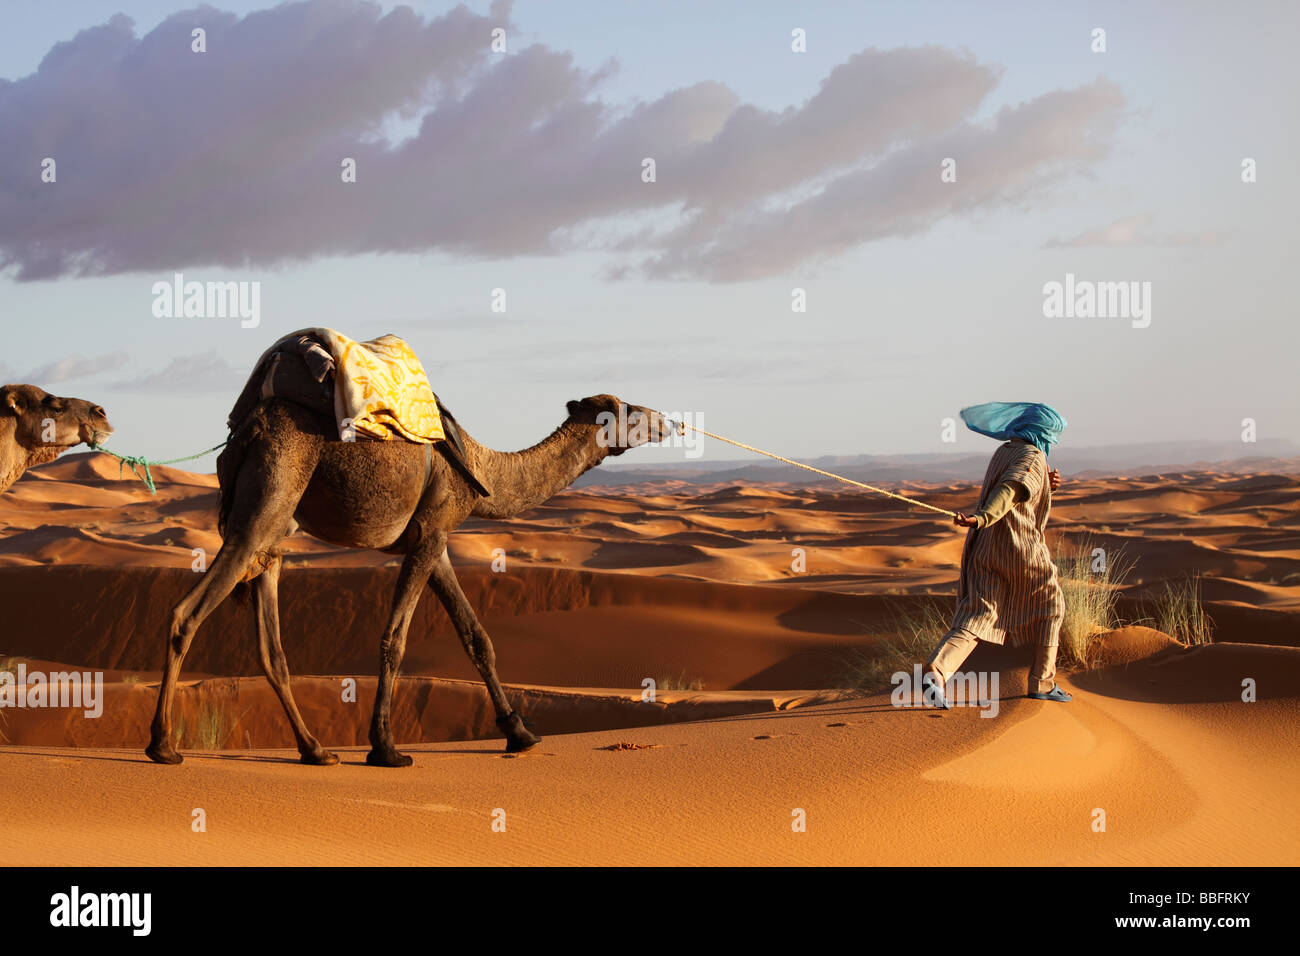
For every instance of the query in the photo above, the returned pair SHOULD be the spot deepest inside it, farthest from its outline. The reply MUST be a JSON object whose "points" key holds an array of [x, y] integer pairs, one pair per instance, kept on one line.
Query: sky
{"points": [[776, 170]]}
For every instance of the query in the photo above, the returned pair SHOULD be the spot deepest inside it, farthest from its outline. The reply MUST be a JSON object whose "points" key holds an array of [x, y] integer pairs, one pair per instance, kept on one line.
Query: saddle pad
{"points": [[379, 387]]}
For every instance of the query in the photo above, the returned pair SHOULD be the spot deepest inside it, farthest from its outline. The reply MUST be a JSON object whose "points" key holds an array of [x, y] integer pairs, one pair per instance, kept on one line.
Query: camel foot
{"points": [[518, 736], [163, 753], [319, 758], [387, 757]]}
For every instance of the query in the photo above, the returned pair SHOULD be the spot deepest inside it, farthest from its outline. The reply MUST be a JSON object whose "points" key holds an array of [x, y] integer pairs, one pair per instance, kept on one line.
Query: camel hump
{"points": [[375, 390], [301, 369], [279, 376]]}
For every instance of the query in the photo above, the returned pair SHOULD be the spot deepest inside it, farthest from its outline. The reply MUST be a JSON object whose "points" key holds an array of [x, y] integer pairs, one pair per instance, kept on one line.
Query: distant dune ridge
{"points": [[740, 601], [1270, 456], [1236, 530]]}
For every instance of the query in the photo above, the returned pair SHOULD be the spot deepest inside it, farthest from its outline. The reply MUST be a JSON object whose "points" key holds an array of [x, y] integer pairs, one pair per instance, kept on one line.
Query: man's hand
{"points": [[965, 521], [1054, 479]]}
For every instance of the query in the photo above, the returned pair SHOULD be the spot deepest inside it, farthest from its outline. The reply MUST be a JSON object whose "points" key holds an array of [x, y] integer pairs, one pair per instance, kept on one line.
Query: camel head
{"points": [[45, 425], [616, 425]]}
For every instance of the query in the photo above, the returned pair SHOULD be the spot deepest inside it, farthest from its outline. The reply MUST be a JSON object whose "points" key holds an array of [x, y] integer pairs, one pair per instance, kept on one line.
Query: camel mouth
{"points": [[658, 427], [663, 428], [93, 435]]}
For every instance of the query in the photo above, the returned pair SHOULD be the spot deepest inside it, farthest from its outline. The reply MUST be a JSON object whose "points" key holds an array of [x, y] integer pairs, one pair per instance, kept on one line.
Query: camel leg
{"points": [[415, 571], [266, 605], [479, 648], [260, 526]]}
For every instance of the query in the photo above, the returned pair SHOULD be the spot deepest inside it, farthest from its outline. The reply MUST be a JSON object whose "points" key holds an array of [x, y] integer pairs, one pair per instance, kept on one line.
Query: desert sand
{"points": [[698, 589]]}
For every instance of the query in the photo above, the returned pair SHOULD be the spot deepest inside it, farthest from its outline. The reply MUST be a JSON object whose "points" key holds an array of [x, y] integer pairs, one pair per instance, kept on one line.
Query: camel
{"points": [[285, 468], [36, 427]]}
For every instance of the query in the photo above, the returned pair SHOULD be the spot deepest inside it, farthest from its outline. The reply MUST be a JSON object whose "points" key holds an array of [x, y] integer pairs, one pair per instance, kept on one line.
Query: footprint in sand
{"points": [[427, 807]]}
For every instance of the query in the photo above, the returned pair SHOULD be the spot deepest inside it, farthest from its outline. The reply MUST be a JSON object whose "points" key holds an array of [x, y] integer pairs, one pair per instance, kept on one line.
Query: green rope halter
{"points": [[136, 462]]}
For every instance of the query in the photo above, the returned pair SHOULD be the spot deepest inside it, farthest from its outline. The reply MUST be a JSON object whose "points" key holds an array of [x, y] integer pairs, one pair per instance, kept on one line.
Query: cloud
{"points": [[168, 159], [74, 367], [1132, 231], [1026, 147], [675, 360], [204, 372]]}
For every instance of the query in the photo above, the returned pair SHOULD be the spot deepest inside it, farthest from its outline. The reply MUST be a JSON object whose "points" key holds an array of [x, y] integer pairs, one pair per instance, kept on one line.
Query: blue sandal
{"points": [[941, 701], [1054, 694]]}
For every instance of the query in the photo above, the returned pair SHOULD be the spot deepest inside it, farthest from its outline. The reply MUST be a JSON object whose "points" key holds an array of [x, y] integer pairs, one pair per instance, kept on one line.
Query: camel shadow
{"points": [[70, 754], [290, 757]]}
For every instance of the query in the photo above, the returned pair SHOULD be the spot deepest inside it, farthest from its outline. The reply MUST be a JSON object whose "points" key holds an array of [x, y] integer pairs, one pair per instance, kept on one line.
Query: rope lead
{"points": [[136, 462], [828, 474]]}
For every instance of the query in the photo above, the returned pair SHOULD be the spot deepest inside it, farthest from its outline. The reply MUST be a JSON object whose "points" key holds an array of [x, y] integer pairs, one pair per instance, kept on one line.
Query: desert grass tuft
{"points": [[915, 632], [680, 682], [213, 724], [1091, 579], [1180, 611], [8, 664]]}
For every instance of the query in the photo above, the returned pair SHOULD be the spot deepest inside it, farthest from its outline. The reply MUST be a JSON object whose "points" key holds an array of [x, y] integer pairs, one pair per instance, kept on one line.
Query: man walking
{"points": [[1008, 580]]}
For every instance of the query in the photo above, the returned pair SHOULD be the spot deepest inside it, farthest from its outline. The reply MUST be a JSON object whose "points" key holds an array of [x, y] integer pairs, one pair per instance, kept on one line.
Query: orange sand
{"points": [[693, 587]]}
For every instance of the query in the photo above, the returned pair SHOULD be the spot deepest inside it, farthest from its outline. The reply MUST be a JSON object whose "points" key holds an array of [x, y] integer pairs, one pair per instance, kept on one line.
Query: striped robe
{"points": [[1008, 581]]}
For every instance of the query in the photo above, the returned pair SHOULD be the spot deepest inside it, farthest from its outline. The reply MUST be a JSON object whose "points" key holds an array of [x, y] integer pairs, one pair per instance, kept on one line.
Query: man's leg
{"points": [[952, 651], [1042, 675]]}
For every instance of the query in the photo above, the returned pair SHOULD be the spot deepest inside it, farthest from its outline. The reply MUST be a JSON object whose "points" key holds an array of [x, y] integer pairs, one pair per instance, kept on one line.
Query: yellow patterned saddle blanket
{"points": [[376, 390], [380, 388]]}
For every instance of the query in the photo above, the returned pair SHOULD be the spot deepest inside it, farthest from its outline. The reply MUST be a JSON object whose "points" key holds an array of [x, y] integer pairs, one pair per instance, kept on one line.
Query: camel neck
{"points": [[519, 480], [13, 456]]}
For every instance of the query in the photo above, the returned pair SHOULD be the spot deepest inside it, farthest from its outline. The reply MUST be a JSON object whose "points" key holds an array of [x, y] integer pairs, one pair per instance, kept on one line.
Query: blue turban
{"points": [[1040, 424]]}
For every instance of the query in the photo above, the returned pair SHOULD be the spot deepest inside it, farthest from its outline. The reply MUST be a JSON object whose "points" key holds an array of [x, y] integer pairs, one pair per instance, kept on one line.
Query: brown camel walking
{"points": [[36, 427], [285, 468]]}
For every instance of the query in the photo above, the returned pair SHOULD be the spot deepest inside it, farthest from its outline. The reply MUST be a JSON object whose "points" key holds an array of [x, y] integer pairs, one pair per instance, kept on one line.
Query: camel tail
{"points": [[228, 464]]}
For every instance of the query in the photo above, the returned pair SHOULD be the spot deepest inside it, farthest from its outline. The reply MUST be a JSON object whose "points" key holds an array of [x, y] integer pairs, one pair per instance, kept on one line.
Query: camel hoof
{"points": [[387, 758], [320, 758], [525, 741], [162, 753], [518, 736]]}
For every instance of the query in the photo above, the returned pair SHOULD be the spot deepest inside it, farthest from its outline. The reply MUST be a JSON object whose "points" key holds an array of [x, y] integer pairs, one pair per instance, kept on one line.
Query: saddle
{"points": [[299, 369]]}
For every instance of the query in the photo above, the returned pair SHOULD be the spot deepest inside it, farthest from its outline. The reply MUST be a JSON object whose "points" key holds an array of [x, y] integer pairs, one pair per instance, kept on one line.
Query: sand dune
{"points": [[243, 713], [1238, 532], [1193, 784], [727, 597], [549, 625]]}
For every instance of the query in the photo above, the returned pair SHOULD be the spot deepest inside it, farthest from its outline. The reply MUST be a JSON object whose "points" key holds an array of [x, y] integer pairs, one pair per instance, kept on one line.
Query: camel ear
{"points": [[11, 401]]}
